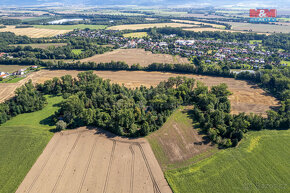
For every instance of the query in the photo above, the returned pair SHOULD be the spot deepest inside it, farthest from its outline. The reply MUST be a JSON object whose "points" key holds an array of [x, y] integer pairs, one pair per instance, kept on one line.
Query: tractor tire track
{"points": [[65, 164], [88, 165], [155, 185], [43, 165], [132, 169], [109, 167]]}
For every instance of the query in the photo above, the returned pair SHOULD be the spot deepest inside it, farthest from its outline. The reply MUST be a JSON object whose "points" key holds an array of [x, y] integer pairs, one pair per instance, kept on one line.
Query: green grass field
{"points": [[255, 41], [136, 35], [285, 62], [22, 140], [14, 80], [70, 27], [261, 163], [77, 51]]}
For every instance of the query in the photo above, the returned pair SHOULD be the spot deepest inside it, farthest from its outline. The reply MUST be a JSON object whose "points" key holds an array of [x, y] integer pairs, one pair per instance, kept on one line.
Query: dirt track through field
{"points": [[85, 160]]}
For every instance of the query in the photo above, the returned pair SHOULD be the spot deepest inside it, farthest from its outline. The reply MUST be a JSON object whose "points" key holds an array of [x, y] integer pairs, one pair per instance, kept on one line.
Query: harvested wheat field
{"points": [[246, 97], [7, 89], [134, 56], [151, 25], [33, 32], [85, 160]]}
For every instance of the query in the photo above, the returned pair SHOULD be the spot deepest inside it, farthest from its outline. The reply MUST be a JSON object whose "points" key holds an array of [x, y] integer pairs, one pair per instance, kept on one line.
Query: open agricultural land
{"points": [[11, 68], [136, 35], [136, 56], [22, 140], [177, 143], [198, 23], [70, 27], [33, 32], [259, 164], [144, 26], [263, 28], [98, 162], [246, 97], [43, 46]]}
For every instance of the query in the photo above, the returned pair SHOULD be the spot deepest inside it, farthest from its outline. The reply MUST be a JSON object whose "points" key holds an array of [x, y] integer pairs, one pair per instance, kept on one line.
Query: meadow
{"points": [[136, 35], [259, 164], [70, 27], [77, 51], [22, 140]]}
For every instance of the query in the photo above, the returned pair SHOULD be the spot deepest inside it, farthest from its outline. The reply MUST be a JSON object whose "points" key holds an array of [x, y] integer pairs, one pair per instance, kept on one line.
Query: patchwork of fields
{"points": [[22, 140], [151, 25], [70, 27], [259, 164]]}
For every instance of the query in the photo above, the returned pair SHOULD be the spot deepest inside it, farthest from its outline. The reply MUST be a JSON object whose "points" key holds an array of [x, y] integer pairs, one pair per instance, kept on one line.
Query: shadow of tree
{"points": [[47, 121]]}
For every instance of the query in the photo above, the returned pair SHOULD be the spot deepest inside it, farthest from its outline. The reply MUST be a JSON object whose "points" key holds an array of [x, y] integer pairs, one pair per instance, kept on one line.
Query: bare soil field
{"points": [[151, 25], [266, 28], [134, 56], [33, 32], [43, 46], [85, 160], [11, 68]]}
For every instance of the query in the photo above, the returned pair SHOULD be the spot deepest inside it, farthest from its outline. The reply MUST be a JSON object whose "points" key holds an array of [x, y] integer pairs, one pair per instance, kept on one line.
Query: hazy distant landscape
{"points": [[144, 96]]}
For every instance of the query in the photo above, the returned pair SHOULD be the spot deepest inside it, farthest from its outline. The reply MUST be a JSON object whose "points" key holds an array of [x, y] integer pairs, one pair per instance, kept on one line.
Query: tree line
{"points": [[27, 99]]}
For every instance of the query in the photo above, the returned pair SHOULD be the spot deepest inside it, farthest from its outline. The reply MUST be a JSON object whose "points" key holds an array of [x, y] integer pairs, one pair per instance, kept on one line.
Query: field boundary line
{"points": [[65, 164], [88, 165], [110, 165], [43, 165]]}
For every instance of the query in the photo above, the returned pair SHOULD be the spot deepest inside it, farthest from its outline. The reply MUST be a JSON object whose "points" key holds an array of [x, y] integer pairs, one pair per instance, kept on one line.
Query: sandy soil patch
{"points": [[134, 56], [246, 97], [84, 160], [151, 25], [33, 32]]}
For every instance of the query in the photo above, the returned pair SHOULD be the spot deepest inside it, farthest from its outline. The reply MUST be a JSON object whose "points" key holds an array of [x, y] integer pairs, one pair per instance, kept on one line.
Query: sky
{"points": [[179, 3]]}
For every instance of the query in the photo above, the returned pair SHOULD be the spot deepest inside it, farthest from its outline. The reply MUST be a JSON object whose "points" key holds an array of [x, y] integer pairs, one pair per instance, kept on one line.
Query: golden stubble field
{"points": [[34, 32], [83, 160], [134, 56], [246, 97]]}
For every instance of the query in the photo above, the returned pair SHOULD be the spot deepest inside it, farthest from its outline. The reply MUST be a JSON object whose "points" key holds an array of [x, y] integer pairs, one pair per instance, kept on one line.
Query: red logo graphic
{"points": [[263, 13]]}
